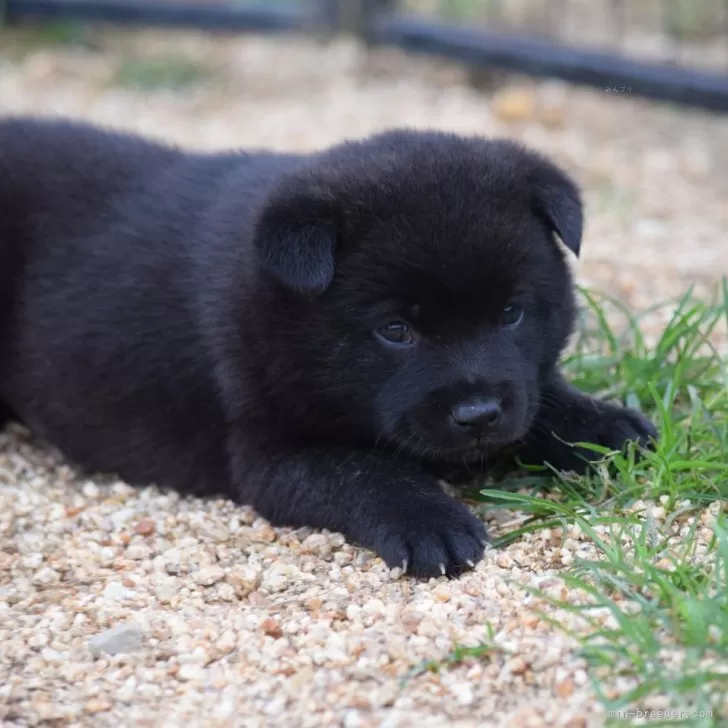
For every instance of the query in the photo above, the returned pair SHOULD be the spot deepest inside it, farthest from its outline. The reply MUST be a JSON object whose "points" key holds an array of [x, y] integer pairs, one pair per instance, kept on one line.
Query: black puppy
{"points": [[313, 335]]}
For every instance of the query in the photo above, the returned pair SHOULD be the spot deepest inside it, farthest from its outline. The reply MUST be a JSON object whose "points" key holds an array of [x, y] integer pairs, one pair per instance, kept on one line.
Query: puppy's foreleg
{"points": [[567, 416], [387, 505]]}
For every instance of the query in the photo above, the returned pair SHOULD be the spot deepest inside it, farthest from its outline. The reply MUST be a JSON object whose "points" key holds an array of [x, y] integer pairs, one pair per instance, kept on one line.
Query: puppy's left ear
{"points": [[296, 238], [558, 200]]}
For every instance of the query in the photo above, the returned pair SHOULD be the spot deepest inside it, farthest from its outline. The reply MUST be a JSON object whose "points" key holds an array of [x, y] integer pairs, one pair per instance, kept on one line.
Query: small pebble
{"points": [[244, 579], [46, 576], [209, 575], [120, 639], [116, 591], [145, 527], [191, 673]]}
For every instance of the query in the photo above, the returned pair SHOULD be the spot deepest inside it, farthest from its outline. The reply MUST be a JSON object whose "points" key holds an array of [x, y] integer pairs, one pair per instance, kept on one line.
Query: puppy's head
{"points": [[415, 291]]}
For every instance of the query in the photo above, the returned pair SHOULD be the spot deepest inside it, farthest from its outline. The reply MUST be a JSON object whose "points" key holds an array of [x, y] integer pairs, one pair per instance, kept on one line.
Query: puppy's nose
{"points": [[477, 414]]}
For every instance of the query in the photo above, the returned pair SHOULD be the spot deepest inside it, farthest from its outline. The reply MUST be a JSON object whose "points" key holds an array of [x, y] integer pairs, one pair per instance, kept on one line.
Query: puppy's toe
{"points": [[424, 554], [429, 556], [466, 549]]}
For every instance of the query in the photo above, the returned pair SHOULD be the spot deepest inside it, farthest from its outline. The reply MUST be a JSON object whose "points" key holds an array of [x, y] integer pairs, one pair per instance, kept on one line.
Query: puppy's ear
{"points": [[296, 238], [559, 202]]}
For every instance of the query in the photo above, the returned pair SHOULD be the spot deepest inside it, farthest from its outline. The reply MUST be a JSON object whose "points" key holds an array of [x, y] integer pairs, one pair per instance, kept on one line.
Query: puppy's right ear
{"points": [[296, 237]]}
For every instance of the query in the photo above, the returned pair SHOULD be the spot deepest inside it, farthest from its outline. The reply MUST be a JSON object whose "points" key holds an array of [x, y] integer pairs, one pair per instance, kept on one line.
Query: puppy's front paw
{"points": [[616, 426], [431, 536], [607, 425]]}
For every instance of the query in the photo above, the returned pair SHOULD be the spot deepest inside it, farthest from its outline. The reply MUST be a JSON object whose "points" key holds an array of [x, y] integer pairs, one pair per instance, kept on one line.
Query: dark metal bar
{"points": [[263, 16], [542, 58]]}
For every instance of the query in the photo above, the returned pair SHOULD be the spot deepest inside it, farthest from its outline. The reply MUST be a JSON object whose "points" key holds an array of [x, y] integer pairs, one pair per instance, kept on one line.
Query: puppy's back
{"points": [[94, 306], [61, 171]]}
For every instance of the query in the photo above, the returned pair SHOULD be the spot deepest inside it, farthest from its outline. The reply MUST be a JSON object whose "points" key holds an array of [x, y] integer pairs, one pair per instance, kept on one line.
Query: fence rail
{"points": [[390, 23], [232, 16]]}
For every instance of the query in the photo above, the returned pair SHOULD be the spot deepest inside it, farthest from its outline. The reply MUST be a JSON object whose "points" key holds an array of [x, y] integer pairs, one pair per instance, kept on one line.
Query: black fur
{"points": [[221, 322]]}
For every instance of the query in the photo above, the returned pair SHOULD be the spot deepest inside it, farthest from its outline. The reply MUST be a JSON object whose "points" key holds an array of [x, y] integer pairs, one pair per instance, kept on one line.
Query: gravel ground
{"points": [[215, 618]]}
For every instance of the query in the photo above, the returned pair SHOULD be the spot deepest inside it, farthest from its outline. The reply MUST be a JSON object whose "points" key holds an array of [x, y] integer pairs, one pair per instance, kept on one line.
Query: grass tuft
{"points": [[168, 72], [649, 607]]}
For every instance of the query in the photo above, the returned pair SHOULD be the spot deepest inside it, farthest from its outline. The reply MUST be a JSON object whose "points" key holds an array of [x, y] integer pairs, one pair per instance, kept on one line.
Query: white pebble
{"points": [[463, 692], [46, 576], [191, 673], [138, 552], [119, 639], [209, 575], [90, 490], [121, 517], [116, 591]]}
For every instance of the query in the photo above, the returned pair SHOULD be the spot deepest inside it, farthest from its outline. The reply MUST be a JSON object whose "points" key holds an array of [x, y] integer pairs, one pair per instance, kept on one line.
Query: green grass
{"points": [[666, 592], [61, 34], [19, 42], [170, 71], [693, 20]]}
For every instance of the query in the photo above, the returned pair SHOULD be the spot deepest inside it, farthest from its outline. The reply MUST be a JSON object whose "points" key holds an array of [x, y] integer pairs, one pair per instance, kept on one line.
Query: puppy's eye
{"points": [[396, 332], [512, 315]]}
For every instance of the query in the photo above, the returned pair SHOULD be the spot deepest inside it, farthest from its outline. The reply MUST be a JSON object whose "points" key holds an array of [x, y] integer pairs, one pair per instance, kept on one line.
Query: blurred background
{"points": [[630, 95]]}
